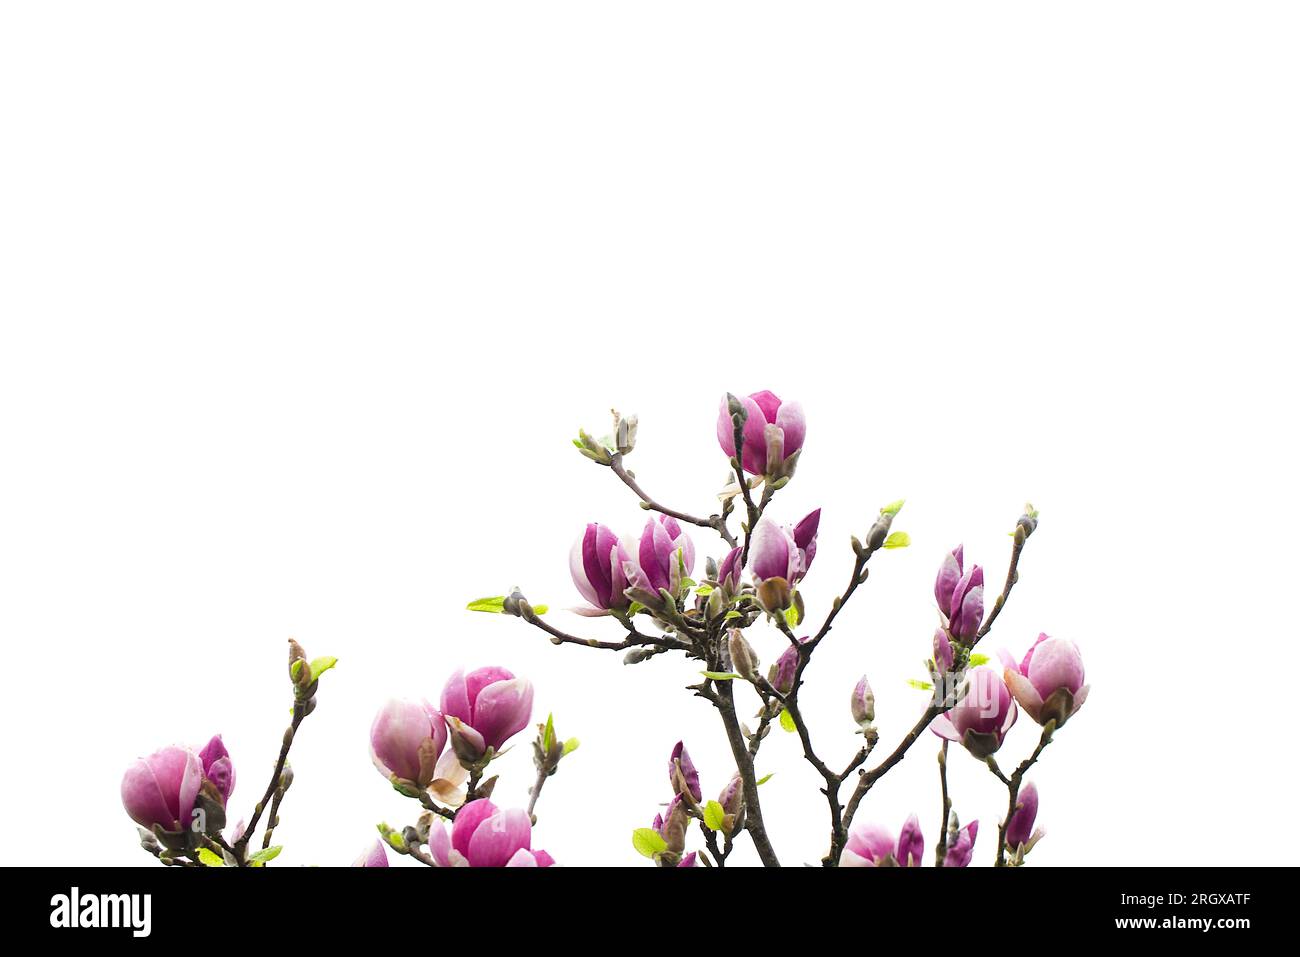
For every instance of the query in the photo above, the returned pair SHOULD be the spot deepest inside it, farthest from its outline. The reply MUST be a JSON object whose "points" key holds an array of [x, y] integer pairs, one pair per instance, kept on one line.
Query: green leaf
{"points": [[548, 735], [686, 583], [211, 858], [704, 589], [541, 609], [893, 508], [269, 854], [898, 540], [494, 605], [730, 615], [321, 665], [787, 722], [713, 815], [720, 675], [977, 659], [764, 779], [648, 842], [920, 685], [570, 746], [792, 615]]}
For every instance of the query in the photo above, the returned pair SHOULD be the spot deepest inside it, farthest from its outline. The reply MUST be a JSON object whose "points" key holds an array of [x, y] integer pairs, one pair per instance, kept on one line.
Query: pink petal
{"points": [[468, 818], [497, 839]]}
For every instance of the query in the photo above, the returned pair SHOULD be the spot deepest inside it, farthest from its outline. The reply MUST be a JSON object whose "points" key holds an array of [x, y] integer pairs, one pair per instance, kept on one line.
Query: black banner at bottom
{"points": [[175, 904]]}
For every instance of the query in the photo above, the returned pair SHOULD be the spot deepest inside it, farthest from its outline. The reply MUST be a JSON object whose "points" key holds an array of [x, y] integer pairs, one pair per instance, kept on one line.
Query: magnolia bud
{"points": [[743, 659], [774, 595], [863, 704], [624, 433]]}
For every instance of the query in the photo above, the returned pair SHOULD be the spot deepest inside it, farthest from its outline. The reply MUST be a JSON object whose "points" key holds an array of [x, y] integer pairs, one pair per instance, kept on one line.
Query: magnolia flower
{"points": [[776, 551], [1048, 682], [217, 767], [406, 741], [665, 555], [161, 789], [1020, 828], [960, 595], [485, 708], [597, 563], [981, 719], [682, 773], [774, 431], [871, 845], [943, 654], [781, 675], [863, 704], [373, 856], [483, 835], [729, 572], [962, 849]]}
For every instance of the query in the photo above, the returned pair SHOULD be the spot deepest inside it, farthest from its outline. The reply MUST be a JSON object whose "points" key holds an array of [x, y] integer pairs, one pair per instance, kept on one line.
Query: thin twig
{"points": [[716, 522], [1013, 787]]}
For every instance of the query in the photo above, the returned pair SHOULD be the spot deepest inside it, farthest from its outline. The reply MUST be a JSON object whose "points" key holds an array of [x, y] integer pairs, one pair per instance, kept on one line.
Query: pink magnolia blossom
{"points": [[665, 554], [981, 719], [770, 424], [406, 740], [487, 707], [484, 835], [962, 849], [1048, 682], [960, 594], [597, 564], [161, 789], [871, 845]]}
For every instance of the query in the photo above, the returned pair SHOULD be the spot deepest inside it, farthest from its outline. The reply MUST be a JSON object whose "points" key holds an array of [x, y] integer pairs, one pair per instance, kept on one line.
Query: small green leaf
{"points": [[920, 685], [713, 815], [977, 659], [321, 665], [787, 722], [269, 854], [704, 589], [898, 540], [635, 608], [210, 858], [541, 609], [648, 842], [893, 508], [548, 735], [570, 746], [730, 615], [686, 583], [792, 616], [720, 675], [494, 605], [764, 779]]}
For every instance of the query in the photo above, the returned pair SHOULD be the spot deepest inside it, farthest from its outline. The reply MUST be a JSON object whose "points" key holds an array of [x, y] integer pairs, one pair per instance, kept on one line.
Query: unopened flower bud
{"points": [[863, 704], [624, 433], [299, 666], [732, 797], [743, 659], [466, 742], [774, 595], [682, 775]]}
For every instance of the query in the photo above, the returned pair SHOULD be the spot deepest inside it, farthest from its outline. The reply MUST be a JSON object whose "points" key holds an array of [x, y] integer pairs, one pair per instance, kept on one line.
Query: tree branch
{"points": [[716, 522]]}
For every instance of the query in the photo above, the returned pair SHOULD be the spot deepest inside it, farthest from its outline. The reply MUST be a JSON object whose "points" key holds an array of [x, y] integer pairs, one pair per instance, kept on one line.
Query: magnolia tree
{"points": [[441, 756]]}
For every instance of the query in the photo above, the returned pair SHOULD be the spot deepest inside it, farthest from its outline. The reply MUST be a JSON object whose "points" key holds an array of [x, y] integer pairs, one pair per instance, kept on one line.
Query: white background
{"points": [[302, 304]]}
